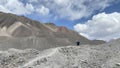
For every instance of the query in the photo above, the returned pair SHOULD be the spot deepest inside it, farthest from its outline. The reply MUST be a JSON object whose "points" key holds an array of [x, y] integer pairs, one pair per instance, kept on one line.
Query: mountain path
{"points": [[40, 57]]}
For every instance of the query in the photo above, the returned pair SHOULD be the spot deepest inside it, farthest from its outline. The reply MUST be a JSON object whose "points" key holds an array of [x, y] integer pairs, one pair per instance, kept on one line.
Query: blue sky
{"points": [[114, 7], [94, 19]]}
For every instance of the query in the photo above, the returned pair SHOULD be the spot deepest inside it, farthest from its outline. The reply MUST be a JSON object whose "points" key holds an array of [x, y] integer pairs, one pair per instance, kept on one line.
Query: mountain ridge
{"points": [[22, 32]]}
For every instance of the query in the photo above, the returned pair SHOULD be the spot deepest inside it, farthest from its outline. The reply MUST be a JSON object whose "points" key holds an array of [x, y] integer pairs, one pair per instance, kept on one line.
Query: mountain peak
{"points": [[52, 24], [63, 29]]}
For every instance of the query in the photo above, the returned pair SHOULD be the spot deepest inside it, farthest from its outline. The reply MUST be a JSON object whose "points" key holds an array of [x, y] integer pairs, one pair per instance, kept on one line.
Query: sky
{"points": [[94, 19]]}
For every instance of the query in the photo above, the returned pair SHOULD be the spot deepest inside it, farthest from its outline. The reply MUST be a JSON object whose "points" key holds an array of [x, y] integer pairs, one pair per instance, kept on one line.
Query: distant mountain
{"points": [[21, 32]]}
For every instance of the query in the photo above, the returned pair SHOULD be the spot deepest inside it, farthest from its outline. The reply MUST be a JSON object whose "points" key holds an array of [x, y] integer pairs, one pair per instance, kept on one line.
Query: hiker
{"points": [[77, 43]]}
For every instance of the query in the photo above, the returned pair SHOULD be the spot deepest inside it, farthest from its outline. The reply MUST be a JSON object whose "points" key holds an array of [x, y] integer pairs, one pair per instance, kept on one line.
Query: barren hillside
{"points": [[84, 56], [21, 32]]}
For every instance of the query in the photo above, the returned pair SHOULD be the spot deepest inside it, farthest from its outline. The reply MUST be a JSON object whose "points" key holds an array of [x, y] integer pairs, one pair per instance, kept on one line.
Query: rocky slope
{"points": [[84, 56], [21, 33]]}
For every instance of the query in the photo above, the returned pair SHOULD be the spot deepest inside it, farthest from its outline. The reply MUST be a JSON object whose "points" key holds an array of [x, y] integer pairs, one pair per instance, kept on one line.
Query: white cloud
{"points": [[13, 6], [32, 1], [43, 10], [75, 9], [69, 9], [30, 7], [20, 8], [4, 9], [102, 26]]}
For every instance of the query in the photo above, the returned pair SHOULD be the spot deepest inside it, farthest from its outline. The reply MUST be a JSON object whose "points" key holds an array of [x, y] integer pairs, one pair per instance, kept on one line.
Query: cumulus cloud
{"points": [[4, 9], [21, 8], [102, 26], [32, 1], [75, 9], [69, 9], [29, 7], [13, 6], [43, 10]]}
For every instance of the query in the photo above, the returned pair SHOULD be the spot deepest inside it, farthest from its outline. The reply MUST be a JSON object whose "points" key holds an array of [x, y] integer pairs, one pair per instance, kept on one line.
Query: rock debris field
{"points": [[85, 56]]}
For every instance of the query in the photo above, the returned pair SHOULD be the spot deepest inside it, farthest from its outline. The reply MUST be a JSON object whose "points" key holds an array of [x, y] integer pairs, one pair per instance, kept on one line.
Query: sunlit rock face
{"points": [[84, 56]]}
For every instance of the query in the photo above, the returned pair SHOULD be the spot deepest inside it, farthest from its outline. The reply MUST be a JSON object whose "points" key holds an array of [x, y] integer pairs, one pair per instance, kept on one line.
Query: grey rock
{"points": [[85, 56]]}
